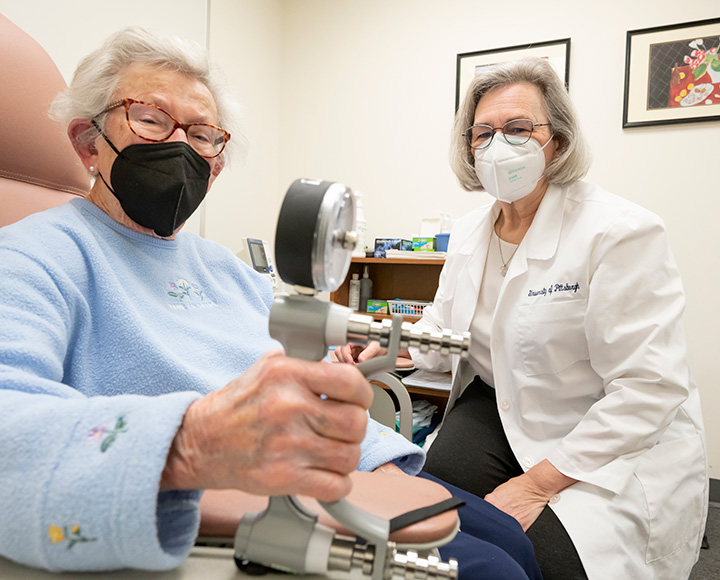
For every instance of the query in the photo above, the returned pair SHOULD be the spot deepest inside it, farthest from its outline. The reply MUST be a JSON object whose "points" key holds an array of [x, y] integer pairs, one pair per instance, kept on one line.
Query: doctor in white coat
{"points": [[576, 412]]}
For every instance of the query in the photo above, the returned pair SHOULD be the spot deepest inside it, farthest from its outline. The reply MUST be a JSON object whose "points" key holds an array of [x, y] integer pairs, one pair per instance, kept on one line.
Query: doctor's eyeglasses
{"points": [[153, 124], [515, 132]]}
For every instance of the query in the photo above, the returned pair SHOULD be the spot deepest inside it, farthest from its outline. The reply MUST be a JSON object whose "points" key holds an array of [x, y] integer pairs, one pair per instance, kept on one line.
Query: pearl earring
{"points": [[92, 169]]}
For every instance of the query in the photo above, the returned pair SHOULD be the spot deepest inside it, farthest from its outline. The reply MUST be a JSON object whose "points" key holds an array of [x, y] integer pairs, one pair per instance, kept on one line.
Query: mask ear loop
{"points": [[102, 134], [552, 136]]}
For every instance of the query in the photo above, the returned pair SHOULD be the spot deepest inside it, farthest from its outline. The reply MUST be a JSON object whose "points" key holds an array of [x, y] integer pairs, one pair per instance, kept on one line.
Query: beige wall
{"points": [[362, 91], [368, 97], [247, 41]]}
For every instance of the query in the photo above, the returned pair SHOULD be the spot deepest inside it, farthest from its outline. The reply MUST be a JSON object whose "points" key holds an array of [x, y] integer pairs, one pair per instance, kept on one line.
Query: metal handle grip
{"points": [[362, 328]]}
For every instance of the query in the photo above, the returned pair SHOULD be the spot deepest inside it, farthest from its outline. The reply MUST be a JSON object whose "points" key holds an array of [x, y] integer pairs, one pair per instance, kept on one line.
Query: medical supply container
{"points": [[365, 289], [354, 300]]}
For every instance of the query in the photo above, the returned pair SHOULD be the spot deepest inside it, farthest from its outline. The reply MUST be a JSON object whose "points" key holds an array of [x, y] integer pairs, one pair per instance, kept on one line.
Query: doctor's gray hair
{"points": [[572, 159], [98, 75]]}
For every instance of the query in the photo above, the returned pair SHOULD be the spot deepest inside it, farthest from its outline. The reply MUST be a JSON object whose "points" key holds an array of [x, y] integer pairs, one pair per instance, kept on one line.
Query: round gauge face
{"points": [[334, 239], [315, 234]]}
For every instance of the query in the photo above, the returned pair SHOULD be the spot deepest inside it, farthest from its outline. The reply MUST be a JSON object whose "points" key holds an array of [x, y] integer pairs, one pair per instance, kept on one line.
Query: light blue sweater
{"points": [[106, 337]]}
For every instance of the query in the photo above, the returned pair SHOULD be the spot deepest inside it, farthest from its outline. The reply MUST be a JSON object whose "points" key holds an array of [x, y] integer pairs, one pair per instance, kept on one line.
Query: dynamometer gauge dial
{"points": [[315, 234]]}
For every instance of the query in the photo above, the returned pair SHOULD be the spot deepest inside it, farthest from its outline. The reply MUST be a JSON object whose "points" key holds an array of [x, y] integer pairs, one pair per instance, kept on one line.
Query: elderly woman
{"points": [[576, 412], [135, 362], [136, 367]]}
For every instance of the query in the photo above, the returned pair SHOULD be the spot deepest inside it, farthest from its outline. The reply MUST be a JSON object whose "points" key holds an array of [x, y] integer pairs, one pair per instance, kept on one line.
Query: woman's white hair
{"points": [[97, 77], [572, 160]]}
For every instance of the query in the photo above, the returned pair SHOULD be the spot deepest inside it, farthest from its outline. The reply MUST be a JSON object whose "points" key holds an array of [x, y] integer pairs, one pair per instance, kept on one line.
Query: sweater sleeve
{"points": [[81, 478], [383, 445], [80, 475]]}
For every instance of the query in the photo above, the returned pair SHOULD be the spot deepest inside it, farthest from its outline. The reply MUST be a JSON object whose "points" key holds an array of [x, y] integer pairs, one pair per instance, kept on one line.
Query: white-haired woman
{"points": [[136, 367], [576, 412]]}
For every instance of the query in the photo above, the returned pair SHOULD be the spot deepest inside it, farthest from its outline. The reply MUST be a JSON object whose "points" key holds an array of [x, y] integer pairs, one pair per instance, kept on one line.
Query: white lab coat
{"points": [[590, 371]]}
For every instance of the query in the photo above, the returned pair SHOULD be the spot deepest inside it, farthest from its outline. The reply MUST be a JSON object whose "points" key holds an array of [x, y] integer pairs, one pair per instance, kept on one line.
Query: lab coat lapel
{"points": [[544, 233], [542, 238], [475, 248]]}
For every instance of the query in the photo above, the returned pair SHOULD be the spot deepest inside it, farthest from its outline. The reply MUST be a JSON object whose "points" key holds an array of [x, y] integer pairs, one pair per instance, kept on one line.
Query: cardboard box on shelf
{"points": [[377, 306], [423, 244], [384, 244]]}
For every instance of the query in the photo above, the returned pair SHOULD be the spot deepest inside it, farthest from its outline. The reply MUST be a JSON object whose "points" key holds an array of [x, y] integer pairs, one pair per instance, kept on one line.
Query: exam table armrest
{"points": [[381, 493]]}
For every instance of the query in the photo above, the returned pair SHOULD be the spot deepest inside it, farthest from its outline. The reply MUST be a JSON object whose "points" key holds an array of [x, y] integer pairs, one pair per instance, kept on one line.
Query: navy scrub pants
{"points": [[491, 545]]}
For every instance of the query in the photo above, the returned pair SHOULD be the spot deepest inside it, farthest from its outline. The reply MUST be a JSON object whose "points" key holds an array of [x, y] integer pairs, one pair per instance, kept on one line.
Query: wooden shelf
{"points": [[407, 279], [428, 261], [406, 317]]}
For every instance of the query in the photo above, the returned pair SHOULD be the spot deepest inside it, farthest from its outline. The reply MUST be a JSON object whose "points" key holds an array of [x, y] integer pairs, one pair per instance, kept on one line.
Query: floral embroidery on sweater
{"points": [[72, 536], [108, 436], [182, 289]]}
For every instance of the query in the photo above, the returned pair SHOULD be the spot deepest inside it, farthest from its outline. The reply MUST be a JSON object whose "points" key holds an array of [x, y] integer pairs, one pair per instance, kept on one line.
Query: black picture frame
{"points": [[659, 90], [557, 51]]}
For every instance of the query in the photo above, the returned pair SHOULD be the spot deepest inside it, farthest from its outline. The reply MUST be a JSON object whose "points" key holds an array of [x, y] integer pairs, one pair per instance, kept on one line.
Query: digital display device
{"points": [[257, 255]]}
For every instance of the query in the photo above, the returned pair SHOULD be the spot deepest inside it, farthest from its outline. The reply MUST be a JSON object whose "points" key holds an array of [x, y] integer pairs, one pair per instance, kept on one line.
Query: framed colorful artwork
{"points": [[672, 74], [470, 64]]}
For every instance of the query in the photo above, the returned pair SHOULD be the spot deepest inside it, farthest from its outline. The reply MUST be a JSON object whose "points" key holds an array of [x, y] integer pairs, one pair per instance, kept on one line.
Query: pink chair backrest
{"points": [[38, 167]]}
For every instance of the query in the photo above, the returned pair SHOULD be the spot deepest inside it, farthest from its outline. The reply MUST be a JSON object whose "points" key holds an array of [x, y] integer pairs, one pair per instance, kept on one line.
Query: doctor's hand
{"points": [[525, 497], [286, 426], [357, 353]]}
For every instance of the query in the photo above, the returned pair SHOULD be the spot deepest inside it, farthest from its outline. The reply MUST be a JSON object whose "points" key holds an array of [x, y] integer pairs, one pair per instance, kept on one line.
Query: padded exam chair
{"points": [[38, 167]]}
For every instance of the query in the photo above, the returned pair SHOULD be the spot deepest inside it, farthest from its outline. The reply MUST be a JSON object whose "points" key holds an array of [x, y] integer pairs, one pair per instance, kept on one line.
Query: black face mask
{"points": [[159, 185]]}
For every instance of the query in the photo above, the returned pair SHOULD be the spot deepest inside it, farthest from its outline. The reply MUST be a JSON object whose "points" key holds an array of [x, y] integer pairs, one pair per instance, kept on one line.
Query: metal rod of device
{"points": [[348, 554], [362, 328]]}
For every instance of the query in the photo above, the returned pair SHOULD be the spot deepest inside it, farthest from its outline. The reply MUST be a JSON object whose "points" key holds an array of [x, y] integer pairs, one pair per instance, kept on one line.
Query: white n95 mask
{"points": [[510, 172]]}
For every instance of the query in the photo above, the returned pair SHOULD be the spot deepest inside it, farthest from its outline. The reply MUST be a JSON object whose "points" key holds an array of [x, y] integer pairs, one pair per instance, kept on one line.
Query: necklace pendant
{"points": [[503, 270]]}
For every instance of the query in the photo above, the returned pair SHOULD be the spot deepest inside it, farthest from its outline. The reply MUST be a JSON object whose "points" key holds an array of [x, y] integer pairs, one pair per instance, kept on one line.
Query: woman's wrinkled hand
{"points": [[357, 353], [519, 498], [525, 497], [286, 426]]}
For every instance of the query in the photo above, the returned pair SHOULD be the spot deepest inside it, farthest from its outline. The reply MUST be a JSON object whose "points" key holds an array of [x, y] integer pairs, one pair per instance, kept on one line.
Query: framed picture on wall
{"points": [[672, 74], [469, 64]]}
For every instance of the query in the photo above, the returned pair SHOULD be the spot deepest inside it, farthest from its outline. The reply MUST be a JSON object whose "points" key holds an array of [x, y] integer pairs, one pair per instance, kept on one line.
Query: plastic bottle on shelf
{"points": [[365, 290], [360, 227], [354, 301]]}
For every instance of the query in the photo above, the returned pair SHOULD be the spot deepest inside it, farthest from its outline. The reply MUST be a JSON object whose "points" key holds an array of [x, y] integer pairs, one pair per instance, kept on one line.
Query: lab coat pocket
{"points": [[672, 475], [552, 336]]}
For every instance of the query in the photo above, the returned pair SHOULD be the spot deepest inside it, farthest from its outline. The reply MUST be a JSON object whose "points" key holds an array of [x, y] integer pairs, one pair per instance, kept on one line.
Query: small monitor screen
{"points": [[257, 254]]}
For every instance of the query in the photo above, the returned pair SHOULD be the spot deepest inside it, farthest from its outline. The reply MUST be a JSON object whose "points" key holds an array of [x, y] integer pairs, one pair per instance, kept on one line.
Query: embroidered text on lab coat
{"points": [[567, 287]]}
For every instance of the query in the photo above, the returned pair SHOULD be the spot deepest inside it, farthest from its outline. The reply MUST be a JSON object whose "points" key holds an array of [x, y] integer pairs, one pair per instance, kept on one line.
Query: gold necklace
{"points": [[504, 267]]}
